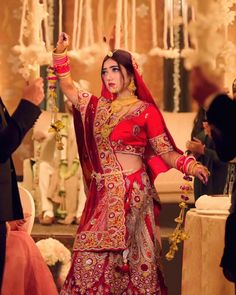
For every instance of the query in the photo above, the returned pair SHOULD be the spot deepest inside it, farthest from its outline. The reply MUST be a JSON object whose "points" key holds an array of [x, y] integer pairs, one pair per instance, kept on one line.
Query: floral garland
{"points": [[65, 171], [179, 233], [56, 125], [54, 252]]}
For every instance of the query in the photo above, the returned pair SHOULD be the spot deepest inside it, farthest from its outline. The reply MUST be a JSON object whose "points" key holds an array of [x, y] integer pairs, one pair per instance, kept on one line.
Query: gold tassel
{"points": [[179, 233]]}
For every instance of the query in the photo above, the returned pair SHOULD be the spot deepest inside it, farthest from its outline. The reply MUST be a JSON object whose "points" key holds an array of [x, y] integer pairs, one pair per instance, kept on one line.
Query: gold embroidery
{"points": [[83, 100], [109, 230], [100, 271], [117, 112], [127, 149], [161, 144], [143, 256]]}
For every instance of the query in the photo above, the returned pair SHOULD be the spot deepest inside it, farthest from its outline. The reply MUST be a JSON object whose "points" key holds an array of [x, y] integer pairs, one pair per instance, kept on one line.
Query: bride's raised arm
{"points": [[61, 66]]}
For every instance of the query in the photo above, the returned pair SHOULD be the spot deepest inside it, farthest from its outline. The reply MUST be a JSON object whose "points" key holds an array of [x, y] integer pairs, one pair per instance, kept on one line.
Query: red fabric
{"points": [[107, 222], [88, 157], [88, 151], [84, 139], [25, 270], [155, 163], [135, 130], [142, 274]]}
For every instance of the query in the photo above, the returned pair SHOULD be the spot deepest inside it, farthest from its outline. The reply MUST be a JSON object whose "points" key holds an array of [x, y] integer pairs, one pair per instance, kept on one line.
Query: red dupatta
{"points": [[102, 225]]}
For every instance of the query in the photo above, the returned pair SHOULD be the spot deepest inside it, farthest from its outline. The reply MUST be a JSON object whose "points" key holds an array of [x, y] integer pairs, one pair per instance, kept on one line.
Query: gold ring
{"points": [[207, 171]]}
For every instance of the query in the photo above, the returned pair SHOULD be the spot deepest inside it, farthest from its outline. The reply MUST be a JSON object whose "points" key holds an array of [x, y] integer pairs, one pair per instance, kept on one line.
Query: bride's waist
{"points": [[128, 162], [98, 176]]}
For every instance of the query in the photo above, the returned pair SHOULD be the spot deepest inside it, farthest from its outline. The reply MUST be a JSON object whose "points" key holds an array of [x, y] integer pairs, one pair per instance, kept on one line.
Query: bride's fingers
{"points": [[204, 177], [63, 36], [63, 39], [201, 177]]}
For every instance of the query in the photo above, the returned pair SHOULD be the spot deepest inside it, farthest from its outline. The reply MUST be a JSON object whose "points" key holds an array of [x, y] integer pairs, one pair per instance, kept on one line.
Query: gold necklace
{"points": [[119, 103], [116, 107]]}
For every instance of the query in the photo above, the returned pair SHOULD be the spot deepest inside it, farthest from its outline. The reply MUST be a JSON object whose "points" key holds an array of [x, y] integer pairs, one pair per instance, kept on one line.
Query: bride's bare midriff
{"points": [[129, 162]]}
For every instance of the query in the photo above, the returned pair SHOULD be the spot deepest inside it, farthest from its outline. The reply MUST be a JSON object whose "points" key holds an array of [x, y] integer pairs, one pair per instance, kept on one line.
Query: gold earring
{"points": [[132, 87]]}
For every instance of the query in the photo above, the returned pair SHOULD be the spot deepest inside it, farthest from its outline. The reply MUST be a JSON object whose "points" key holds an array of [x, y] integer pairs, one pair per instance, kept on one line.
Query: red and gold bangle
{"points": [[187, 163], [179, 162], [61, 64], [182, 163]]}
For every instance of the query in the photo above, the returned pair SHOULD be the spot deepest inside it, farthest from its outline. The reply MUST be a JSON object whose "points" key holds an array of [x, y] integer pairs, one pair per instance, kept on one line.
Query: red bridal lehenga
{"points": [[117, 245]]}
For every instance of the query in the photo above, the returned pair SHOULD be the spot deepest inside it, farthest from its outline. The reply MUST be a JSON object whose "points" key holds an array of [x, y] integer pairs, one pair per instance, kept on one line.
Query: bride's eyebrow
{"points": [[111, 67]]}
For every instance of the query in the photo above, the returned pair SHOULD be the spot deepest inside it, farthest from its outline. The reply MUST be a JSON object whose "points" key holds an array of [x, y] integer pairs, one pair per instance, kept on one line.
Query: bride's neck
{"points": [[124, 95]]}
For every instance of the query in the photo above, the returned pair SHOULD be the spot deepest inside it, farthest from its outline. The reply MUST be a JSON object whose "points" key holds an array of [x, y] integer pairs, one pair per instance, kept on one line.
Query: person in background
{"points": [[12, 130], [208, 91], [75, 195], [59, 176], [202, 147], [123, 144]]}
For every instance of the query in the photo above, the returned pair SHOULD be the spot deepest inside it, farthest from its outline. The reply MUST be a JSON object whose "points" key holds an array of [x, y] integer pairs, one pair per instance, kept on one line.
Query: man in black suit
{"points": [[12, 130], [221, 115]]}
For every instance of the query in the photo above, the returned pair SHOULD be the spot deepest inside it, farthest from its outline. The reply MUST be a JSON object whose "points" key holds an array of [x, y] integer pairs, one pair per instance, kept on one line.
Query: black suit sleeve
{"points": [[17, 125], [222, 118]]}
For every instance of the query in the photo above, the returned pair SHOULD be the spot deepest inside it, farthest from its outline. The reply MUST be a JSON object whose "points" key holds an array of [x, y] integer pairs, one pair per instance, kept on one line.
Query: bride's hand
{"points": [[62, 43], [200, 171]]}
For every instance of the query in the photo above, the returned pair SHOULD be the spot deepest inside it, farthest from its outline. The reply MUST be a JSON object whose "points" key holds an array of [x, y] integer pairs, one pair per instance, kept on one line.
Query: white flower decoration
{"points": [[53, 251], [207, 36]]}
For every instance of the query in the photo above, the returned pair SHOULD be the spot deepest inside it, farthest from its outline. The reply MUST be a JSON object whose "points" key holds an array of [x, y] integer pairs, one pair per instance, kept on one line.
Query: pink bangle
{"points": [[187, 161], [61, 64], [186, 168], [63, 69], [183, 162], [60, 61], [179, 163]]}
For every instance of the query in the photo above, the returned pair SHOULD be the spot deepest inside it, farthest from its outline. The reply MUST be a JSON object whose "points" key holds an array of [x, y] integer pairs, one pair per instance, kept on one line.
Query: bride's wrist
{"points": [[59, 52], [61, 64], [193, 168]]}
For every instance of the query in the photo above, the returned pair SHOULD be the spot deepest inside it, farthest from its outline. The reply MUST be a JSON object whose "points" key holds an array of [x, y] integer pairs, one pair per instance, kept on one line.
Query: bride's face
{"points": [[115, 78]]}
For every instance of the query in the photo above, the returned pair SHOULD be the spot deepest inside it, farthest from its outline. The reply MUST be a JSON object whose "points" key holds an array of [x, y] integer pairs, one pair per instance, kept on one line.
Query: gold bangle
{"points": [[64, 53], [191, 167], [64, 76]]}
